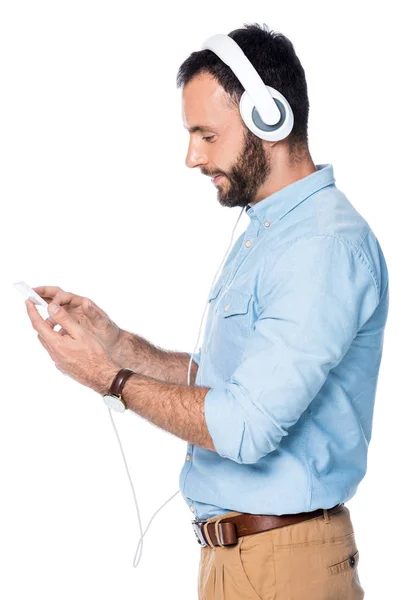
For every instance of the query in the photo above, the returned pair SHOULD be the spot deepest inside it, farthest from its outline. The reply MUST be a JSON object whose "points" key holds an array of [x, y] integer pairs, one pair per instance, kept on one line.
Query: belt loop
{"points": [[326, 516], [216, 529], [208, 535]]}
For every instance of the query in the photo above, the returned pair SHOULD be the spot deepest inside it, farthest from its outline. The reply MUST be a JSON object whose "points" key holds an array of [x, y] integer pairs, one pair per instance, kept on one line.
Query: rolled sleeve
{"points": [[196, 356], [320, 293]]}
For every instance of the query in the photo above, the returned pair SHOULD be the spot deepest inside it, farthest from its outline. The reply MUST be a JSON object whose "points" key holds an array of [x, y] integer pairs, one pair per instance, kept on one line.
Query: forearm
{"points": [[137, 353], [178, 409]]}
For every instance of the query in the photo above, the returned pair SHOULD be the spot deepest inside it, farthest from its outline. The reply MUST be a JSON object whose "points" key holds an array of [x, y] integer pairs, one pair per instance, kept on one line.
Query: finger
{"points": [[47, 291], [56, 294], [39, 324], [50, 322], [52, 325], [61, 317], [61, 297], [54, 358], [46, 346]]}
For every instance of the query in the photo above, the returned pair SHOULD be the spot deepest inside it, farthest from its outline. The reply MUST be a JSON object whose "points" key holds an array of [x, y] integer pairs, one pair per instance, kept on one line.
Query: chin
{"points": [[227, 202]]}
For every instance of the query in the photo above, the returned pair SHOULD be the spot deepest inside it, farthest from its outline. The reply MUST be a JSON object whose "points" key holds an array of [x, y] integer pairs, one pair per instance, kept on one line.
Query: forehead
{"points": [[205, 103]]}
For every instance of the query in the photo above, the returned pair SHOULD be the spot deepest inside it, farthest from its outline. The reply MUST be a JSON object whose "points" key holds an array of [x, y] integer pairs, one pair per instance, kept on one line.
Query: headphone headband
{"points": [[232, 55], [264, 110]]}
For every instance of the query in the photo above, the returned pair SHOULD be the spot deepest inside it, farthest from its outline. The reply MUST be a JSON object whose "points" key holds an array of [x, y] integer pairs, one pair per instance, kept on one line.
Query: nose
{"points": [[195, 157]]}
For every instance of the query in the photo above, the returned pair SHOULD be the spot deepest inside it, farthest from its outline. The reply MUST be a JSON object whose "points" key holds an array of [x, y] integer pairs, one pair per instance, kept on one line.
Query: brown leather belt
{"points": [[231, 528]]}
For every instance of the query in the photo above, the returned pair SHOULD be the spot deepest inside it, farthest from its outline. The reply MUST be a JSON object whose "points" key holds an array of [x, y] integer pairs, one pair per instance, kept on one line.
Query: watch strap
{"points": [[119, 381]]}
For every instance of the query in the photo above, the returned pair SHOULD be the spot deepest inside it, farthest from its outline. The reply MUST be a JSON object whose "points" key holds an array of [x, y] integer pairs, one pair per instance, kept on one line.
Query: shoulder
{"points": [[326, 261], [337, 230]]}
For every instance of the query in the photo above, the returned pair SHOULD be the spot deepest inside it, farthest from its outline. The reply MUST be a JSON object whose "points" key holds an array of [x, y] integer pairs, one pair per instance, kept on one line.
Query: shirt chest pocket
{"points": [[230, 328], [235, 303]]}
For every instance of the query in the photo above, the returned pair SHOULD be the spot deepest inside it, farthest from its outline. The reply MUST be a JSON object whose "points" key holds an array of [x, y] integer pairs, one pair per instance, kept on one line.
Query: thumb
{"points": [[61, 317]]}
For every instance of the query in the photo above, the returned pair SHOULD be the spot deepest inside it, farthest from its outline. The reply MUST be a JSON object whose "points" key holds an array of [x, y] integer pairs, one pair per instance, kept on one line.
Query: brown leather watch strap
{"points": [[119, 381]]}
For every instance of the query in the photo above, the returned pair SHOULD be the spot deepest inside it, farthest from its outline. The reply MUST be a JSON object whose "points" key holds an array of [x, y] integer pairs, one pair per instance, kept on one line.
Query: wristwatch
{"points": [[113, 398]]}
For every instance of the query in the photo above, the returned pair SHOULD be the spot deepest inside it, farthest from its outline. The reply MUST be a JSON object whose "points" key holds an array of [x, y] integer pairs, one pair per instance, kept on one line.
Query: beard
{"points": [[249, 172]]}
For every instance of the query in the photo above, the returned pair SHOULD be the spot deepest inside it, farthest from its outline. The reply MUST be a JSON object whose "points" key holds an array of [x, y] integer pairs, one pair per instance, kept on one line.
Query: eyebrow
{"points": [[201, 128]]}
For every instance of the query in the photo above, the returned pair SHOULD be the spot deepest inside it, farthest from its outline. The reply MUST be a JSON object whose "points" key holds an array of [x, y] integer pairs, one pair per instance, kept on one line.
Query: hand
{"points": [[78, 353], [85, 312]]}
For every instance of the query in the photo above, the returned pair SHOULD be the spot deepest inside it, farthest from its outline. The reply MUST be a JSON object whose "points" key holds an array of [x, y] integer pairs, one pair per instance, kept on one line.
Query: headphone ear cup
{"points": [[252, 119]]}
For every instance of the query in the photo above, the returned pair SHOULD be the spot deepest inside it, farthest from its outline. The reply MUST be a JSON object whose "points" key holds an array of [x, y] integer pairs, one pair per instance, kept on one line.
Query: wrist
{"points": [[113, 398], [107, 375], [122, 347]]}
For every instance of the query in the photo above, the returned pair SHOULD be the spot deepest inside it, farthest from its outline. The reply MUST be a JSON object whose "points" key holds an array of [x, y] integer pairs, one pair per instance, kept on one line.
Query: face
{"points": [[221, 144]]}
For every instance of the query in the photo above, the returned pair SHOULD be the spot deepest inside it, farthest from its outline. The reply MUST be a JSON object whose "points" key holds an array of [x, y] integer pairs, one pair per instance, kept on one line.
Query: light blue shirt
{"points": [[291, 351]]}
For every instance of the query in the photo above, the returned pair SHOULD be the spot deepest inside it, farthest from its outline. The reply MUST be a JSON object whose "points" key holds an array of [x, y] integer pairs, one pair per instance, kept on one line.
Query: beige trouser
{"points": [[312, 560]]}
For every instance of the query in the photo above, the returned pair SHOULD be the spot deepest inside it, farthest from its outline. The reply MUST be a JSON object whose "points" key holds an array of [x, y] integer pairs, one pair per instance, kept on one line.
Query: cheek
{"points": [[226, 156], [219, 163]]}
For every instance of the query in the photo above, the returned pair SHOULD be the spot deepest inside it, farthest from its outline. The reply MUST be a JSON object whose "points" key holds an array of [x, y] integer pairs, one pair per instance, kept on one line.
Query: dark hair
{"points": [[274, 58]]}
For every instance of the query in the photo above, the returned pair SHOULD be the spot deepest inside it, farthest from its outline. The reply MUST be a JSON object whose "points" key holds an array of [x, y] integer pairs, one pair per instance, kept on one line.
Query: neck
{"points": [[284, 172]]}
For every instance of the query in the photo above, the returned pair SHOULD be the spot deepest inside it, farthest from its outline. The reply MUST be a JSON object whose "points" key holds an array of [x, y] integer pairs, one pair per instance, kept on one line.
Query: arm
{"points": [[135, 352], [79, 354], [319, 294], [178, 409]]}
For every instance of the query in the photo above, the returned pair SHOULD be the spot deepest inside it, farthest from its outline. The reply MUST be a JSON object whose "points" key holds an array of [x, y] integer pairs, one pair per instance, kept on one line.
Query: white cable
{"points": [[207, 305], [140, 543]]}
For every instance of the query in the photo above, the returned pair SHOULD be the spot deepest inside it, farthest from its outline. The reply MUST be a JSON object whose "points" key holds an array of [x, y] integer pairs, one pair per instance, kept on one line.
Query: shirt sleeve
{"points": [[196, 356], [320, 293]]}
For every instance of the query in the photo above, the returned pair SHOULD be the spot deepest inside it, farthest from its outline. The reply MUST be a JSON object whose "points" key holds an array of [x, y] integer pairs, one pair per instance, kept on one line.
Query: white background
{"points": [[96, 198]]}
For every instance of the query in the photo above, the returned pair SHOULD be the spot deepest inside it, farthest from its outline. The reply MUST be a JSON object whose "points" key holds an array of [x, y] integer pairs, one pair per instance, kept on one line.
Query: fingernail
{"points": [[53, 307]]}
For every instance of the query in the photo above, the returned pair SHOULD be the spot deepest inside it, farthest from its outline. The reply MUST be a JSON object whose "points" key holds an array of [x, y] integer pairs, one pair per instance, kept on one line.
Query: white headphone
{"points": [[265, 111]]}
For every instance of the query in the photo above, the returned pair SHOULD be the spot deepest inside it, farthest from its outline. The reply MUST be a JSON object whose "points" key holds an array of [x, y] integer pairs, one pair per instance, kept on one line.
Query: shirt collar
{"points": [[278, 204]]}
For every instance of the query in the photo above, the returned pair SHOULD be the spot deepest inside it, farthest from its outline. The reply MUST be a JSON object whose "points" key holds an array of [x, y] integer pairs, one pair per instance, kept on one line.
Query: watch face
{"points": [[114, 403]]}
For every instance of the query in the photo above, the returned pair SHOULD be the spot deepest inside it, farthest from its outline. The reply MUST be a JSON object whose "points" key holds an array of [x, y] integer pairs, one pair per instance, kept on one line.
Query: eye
{"points": [[209, 138]]}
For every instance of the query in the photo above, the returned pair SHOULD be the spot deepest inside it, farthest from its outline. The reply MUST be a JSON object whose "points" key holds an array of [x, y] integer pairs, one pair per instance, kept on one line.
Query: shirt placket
{"points": [[250, 237]]}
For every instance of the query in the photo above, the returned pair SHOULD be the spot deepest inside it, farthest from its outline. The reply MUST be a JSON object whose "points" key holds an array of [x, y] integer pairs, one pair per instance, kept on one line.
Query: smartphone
{"points": [[30, 294]]}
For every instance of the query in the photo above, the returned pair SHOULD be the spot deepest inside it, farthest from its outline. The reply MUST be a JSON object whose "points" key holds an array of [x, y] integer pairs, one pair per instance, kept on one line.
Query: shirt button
{"points": [[206, 349], [226, 307], [192, 508], [248, 243], [188, 457], [267, 223]]}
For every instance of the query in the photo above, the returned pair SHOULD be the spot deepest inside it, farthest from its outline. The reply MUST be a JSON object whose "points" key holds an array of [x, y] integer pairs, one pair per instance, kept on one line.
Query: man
{"points": [[278, 415]]}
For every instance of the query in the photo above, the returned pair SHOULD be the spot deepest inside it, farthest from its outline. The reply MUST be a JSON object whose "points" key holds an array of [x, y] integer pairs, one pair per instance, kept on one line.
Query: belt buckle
{"points": [[198, 532]]}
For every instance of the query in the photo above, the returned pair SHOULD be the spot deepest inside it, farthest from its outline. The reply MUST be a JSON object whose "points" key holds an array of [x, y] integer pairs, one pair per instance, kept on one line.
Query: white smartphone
{"points": [[42, 305], [30, 294]]}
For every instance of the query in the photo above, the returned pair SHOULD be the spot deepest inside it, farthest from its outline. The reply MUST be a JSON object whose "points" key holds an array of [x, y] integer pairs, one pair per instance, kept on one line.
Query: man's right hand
{"points": [[127, 349], [85, 312]]}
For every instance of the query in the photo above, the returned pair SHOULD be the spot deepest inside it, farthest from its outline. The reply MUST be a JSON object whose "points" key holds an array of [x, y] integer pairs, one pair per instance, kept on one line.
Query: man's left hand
{"points": [[77, 353]]}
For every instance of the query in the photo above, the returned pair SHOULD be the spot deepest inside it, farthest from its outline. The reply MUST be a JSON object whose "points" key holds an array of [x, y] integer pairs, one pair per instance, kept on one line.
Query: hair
{"points": [[273, 56]]}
